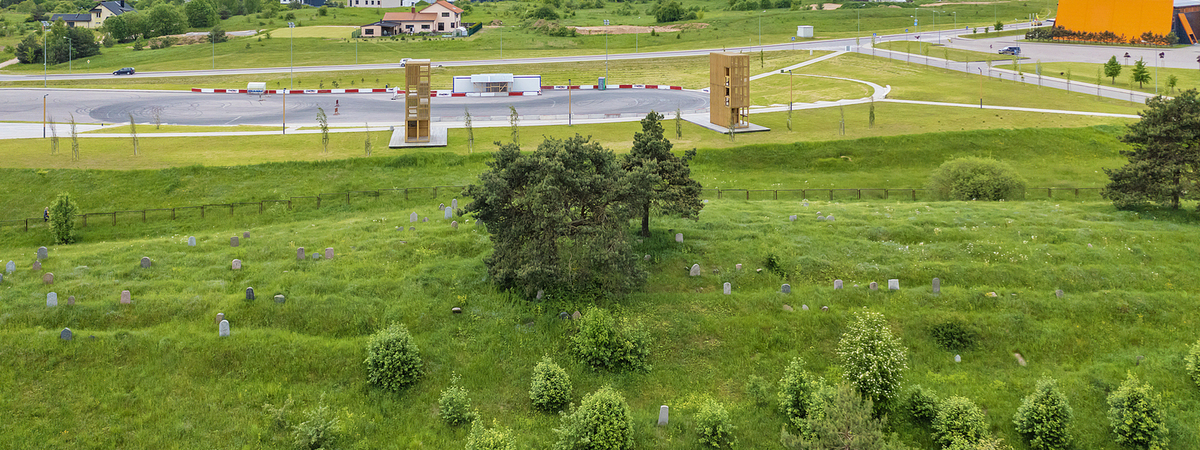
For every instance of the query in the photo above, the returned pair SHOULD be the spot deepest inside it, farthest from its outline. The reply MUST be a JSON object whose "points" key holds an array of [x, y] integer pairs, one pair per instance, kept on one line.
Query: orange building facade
{"points": [[1124, 17]]}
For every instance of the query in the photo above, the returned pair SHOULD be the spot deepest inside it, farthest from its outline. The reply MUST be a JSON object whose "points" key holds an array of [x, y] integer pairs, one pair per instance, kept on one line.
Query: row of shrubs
{"points": [[1108, 37]]}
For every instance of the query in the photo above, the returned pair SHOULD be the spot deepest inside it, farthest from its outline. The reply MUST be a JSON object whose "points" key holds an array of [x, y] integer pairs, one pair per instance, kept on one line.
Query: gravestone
{"points": [[42, 253], [441, 206], [300, 254], [454, 224], [728, 288], [805, 203], [249, 293], [316, 256], [830, 218], [786, 288], [837, 284], [576, 315], [66, 334], [1020, 359], [540, 294], [48, 278], [246, 234], [646, 258], [937, 285], [52, 299], [412, 228], [825, 308], [456, 310], [223, 328], [663, 412], [695, 272], [126, 298], [71, 300], [237, 264], [1058, 293], [804, 307], [454, 203], [893, 284], [191, 241], [329, 253], [957, 358], [874, 286], [220, 317], [787, 307], [412, 217], [449, 213], [821, 218], [792, 218], [279, 298], [233, 241], [425, 219], [145, 262], [564, 316], [10, 267], [678, 237], [737, 267], [37, 265]]}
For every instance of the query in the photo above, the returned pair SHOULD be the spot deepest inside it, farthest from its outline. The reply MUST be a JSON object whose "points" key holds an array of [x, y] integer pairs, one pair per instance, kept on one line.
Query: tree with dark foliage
{"points": [[1164, 164]]}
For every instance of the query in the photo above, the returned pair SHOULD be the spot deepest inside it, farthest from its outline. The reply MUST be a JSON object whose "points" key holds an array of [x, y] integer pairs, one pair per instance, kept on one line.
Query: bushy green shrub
{"points": [[796, 392], [958, 419], [493, 438], [601, 422], [922, 404], [976, 179], [1137, 416], [954, 335], [713, 426], [62, 219], [319, 430], [1044, 417], [985, 443], [842, 419], [873, 360], [454, 406], [759, 390], [393, 359], [604, 344], [1191, 363], [550, 387]]}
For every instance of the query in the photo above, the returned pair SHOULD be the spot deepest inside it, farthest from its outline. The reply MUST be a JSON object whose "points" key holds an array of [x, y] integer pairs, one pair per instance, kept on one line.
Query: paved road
{"points": [[187, 108]]}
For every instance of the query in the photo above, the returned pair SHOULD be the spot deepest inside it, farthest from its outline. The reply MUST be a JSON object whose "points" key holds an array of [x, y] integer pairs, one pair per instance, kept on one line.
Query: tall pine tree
{"points": [[1164, 164], [670, 188]]}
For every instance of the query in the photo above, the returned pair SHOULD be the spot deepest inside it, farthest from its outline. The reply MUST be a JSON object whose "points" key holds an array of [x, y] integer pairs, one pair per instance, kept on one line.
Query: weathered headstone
{"points": [[66, 334], [279, 298], [1058, 293], [126, 298], [787, 307], [220, 317], [564, 316], [449, 213], [412, 228], [233, 241], [576, 315], [678, 237], [786, 288], [737, 267], [893, 284], [792, 218], [728, 288], [456, 310], [821, 218], [825, 308], [329, 253], [10, 267], [71, 300], [412, 217], [646, 258], [249, 293], [1020, 359], [42, 253], [454, 203], [957, 358], [37, 265], [223, 328], [805, 203], [316, 256], [48, 278], [426, 219], [663, 413], [830, 218], [937, 285], [300, 254], [540, 293], [804, 307], [246, 234], [454, 224], [52, 299], [837, 284], [695, 272], [145, 262], [874, 286], [237, 264], [191, 241], [441, 206]]}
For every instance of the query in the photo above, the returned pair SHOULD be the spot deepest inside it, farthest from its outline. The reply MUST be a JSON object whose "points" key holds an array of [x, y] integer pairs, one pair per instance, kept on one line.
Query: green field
{"points": [[924, 49]]}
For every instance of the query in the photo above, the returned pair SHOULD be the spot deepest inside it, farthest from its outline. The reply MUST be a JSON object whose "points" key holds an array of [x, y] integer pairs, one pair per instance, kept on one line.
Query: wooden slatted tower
{"points": [[729, 89], [416, 100]]}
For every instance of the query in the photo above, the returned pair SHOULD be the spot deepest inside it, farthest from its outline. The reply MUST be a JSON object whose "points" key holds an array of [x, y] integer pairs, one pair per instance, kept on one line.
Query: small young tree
{"points": [[1172, 81], [1140, 73], [53, 136], [1137, 416], [62, 219], [550, 387], [958, 419], [217, 35], [323, 121], [922, 404], [393, 359], [133, 134], [470, 130], [602, 343], [74, 140], [870, 116], [157, 116], [999, 26], [514, 120], [678, 123], [713, 426], [1044, 417], [1112, 69], [873, 359], [454, 406], [846, 421], [669, 185], [797, 391], [493, 438], [367, 139], [602, 422], [1191, 363], [320, 430]]}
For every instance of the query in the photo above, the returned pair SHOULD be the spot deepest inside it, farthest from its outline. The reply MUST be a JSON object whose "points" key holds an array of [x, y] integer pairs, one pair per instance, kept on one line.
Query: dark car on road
{"points": [[123, 71], [1013, 50]]}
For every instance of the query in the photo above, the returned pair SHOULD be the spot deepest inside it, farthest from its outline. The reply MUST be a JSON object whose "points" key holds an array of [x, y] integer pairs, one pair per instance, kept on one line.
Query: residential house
{"points": [[440, 17], [94, 18]]}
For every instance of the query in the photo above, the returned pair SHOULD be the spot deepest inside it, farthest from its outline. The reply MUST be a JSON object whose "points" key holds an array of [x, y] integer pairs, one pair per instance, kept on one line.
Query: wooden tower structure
{"points": [[729, 89], [416, 100]]}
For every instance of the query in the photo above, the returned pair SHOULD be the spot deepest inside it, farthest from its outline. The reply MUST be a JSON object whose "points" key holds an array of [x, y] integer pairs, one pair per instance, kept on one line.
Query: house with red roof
{"points": [[440, 17]]}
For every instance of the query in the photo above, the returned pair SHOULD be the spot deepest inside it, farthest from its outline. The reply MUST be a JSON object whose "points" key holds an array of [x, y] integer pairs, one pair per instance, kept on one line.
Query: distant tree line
{"points": [[61, 43]]}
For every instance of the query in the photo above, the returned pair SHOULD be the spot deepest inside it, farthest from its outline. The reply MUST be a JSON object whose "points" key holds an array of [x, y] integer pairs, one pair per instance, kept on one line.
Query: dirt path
{"points": [[8, 63], [630, 29]]}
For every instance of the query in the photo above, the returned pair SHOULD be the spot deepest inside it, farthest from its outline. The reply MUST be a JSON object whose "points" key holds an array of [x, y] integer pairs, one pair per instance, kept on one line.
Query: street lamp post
{"points": [[45, 26], [569, 102], [356, 50], [291, 54], [980, 69], [1161, 55], [71, 55], [44, 115], [213, 38]]}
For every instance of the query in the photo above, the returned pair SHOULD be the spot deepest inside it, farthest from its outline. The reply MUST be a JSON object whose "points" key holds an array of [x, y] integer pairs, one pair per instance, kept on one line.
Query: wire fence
{"points": [[351, 197]]}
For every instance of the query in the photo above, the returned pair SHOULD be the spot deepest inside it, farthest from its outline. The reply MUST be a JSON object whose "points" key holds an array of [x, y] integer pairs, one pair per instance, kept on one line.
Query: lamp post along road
{"points": [[45, 54], [291, 55], [569, 102], [44, 115]]}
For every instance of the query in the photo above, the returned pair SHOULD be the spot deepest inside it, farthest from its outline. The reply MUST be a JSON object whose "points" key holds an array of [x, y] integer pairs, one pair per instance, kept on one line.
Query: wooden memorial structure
{"points": [[416, 100], [729, 90]]}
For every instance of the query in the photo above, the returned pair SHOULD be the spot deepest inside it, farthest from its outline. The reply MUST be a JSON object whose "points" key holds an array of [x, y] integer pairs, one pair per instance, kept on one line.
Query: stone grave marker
{"points": [[316, 256], [279, 298], [223, 328], [425, 219], [646, 258], [145, 262], [299, 253], [893, 284], [837, 284], [937, 285], [786, 288], [454, 203], [792, 218], [564, 316], [830, 218], [678, 237], [48, 278], [52, 299], [821, 218], [42, 253], [412, 228], [456, 310], [37, 265], [576, 315], [728, 288], [126, 298], [695, 272], [449, 213], [874, 286], [825, 308], [249, 293], [1020, 359], [220, 317], [737, 267], [191, 241], [10, 267], [454, 224], [412, 217], [957, 358], [246, 234], [66, 334], [71, 300], [1058, 293], [805, 203], [804, 307], [237, 264], [329, 253], [540, 293], [441, 206], [787, 307], [233, 241], [663, 413]]}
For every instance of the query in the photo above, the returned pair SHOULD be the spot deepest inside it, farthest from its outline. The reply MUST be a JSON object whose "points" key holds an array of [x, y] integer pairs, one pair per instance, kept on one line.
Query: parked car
{"points": [[1011, 50], [404, 61], [123, 71]]}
